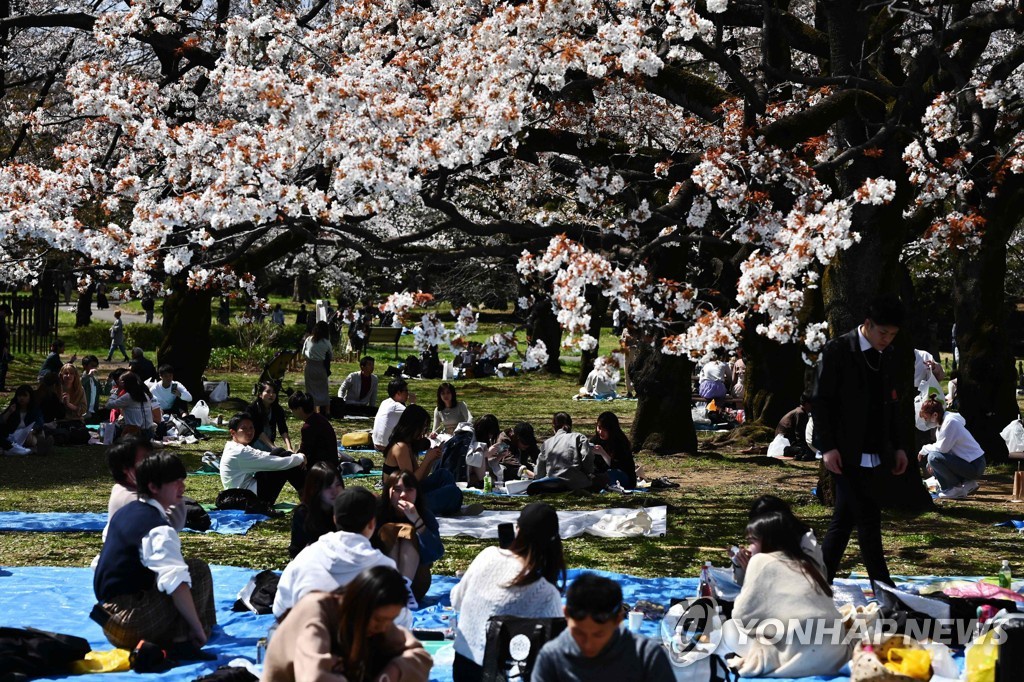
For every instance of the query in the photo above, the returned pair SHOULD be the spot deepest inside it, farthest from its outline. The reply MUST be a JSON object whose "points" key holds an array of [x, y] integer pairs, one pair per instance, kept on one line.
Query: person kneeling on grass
{"points": [[349, 634], [146, 590], [594, 646], [955, 458]]}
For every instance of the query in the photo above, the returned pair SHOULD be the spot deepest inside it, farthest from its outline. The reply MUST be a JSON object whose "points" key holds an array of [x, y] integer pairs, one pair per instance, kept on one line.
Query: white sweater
{"points": [[484, 592], [240, 463], [953, 438]]}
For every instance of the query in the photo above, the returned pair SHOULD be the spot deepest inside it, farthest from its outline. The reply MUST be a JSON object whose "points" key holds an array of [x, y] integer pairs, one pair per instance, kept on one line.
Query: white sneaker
{"points": [[16, 449], [954, 493], [969, 487]]}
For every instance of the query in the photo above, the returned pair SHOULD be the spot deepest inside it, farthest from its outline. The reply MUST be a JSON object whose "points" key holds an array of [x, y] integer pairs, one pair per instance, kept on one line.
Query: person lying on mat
{"points": [[407, 531], [594, 646], [144, 587], [524, 580], [787, 587], [264, 473], [349, 634], [314, 517]]}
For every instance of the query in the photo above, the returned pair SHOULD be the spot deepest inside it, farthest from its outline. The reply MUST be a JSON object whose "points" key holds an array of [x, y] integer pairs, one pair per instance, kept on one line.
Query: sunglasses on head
{"points": [[599, 617]]}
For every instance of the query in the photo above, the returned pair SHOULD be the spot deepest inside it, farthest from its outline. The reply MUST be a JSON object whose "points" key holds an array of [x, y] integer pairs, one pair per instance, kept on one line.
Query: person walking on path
{"points": [[117, 337]]}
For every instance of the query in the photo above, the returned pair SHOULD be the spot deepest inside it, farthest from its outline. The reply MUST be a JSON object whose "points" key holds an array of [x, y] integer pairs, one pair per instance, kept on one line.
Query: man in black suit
{"points": [[856, 428]]}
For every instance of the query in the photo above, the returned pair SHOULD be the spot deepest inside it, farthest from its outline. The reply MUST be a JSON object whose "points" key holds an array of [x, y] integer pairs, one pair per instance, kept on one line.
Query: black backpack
{"points": [[196, 517], [27, 653], [245, 500], [258, 595]]}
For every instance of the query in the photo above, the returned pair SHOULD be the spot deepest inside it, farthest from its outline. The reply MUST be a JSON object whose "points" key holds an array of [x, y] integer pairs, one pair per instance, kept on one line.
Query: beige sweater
{"points": [[303, 649], [777, 590]]}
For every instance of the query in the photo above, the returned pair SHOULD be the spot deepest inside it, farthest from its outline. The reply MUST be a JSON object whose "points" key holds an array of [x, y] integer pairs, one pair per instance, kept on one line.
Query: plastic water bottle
{"points": [[706, 588], [488, 482], [1005, 575]]}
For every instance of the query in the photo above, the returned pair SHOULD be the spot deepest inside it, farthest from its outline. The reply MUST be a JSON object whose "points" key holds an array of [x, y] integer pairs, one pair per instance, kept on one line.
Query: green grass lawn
{"points": [[706, 514]]}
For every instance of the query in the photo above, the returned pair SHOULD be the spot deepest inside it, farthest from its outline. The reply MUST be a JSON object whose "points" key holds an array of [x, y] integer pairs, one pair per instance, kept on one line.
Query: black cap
{"points": [[353, 509], [538, 522]]}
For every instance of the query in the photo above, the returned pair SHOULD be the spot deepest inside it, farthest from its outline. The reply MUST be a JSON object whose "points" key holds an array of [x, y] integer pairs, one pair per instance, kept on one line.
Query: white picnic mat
{"points": [[571, 524]]}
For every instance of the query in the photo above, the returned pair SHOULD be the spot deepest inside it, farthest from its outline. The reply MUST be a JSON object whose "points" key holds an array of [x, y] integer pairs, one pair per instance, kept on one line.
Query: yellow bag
{"points": [[910, 662], [357, 439], [981, 657], [113, 661]]}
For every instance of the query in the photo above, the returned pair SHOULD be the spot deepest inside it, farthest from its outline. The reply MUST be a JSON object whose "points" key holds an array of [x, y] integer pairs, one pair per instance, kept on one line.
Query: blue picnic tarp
{"points": [[59, 600], [222, 522]]}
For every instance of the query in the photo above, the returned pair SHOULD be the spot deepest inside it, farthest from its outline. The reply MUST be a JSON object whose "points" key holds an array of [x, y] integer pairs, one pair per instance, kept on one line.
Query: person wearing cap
{"points": [[336, 558], [594, 646], [523, 580]]}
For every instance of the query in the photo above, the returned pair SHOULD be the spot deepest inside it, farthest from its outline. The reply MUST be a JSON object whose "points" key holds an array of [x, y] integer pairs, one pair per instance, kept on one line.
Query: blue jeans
{"points": [[444, 498], [951, 471]]}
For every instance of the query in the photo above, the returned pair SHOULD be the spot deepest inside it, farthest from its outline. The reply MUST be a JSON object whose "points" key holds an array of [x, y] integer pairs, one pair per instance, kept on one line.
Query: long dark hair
{"points": [[370, 590], [539, 545], [321, 330], [486, 429], [134, 387], [778, 532], [617, 438], [318, 520], [386, 512], [24, 389], [410, 427], [455, 396]]}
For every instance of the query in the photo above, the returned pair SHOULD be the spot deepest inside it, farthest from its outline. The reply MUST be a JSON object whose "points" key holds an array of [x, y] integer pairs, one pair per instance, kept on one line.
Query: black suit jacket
{"points": [[839, 403]]}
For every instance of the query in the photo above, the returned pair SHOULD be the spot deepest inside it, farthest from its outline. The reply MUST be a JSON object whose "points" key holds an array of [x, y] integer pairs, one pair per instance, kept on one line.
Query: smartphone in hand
{"points": [[506, 534]]}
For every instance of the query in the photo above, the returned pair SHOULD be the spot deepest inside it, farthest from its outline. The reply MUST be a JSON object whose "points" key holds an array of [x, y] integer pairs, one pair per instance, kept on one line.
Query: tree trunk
{"points": [[186, 343], [83, 310], [300, 287], [776, 377], [663, 421], [543, 326], [986, 384], [598, 310]]}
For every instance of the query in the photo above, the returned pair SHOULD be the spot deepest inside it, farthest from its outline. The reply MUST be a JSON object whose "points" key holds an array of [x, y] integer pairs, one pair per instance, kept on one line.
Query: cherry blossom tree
{"points": [[713, 169]]}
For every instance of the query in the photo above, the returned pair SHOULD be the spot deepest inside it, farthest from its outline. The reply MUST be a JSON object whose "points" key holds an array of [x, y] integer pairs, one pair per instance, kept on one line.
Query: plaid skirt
{"points": [[152, 616]]}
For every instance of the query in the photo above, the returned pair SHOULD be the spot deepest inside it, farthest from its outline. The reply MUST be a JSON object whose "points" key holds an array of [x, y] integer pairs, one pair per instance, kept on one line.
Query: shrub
{"points": [[148, 337]]}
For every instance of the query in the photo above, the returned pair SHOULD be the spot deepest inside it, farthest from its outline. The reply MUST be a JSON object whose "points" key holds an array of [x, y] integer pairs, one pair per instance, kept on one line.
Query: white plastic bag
{"points": [[924, 389], [219, 393], [448, 371], [1013, 434], [778, 446], [202, 412], [475, 456]]}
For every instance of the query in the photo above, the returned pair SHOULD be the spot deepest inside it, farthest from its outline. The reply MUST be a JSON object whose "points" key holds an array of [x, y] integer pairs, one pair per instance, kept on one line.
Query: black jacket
{"points": [[839, 403]]}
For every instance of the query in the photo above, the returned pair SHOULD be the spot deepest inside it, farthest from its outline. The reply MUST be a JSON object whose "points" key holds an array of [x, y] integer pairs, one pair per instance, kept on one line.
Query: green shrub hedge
{"points": [[96, 337]]}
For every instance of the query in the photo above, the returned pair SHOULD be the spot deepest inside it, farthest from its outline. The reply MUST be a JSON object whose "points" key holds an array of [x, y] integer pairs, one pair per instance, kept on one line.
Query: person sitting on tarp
{"points": [[359, 390], [123, 458], [566, 456], [264, 473], [314, 517], [407, 531], [317, 438], [602, 380], [787, 588], [594, 646], [714, 378], [955, 458], [336, 558], [146, 590], [770, 504], [614, 452], [793, 427], [350, 634]]}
